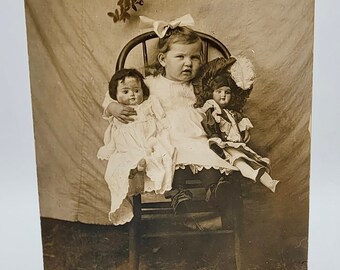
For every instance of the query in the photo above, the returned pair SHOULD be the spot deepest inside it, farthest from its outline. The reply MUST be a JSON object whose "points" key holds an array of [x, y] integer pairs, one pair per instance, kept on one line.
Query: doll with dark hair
{"points": [[139, 146], [179, 55], [222, 87]]}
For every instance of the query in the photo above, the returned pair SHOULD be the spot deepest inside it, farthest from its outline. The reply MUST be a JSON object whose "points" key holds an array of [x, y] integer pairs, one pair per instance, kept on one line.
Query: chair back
{"points": [[208, 41]]}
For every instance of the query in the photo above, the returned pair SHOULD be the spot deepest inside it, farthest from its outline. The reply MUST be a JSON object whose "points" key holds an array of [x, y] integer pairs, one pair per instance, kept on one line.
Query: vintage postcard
{"points": [[172, 134]]}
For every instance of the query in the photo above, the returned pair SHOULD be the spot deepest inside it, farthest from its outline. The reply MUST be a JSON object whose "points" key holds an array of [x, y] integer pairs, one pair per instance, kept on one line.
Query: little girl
{"points": [[141, 145], [179, 58], [222, 100]]}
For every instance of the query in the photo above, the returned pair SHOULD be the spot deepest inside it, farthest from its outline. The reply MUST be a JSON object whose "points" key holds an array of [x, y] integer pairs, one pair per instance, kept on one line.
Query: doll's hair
{"points": [[120, 76], [214, 75], [180, 34]]}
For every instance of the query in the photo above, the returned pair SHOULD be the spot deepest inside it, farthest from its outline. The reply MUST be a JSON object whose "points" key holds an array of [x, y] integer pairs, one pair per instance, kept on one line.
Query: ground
{"points": [[73, 245], [272, 239]]}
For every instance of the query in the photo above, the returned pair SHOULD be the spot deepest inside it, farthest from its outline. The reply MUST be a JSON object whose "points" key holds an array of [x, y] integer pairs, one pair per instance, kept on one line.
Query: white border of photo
{"points": [[20, 242]]}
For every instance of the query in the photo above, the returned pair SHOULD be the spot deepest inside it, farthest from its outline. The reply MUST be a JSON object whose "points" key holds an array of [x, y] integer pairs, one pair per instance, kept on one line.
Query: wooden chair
{"points": [[146, 212]]}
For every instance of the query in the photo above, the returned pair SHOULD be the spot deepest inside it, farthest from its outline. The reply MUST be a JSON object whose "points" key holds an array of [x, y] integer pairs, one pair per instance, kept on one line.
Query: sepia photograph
{"points": [[172, 134]]}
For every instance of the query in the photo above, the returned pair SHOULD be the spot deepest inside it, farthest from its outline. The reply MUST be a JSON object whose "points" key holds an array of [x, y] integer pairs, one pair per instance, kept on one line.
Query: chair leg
{"points": [[134, 234], [237, 218]]}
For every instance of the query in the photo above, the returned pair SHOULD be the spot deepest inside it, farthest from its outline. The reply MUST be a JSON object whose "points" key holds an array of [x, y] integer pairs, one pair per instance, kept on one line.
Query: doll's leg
{"points": [[247, 171], [266, 180], [259, 174]]}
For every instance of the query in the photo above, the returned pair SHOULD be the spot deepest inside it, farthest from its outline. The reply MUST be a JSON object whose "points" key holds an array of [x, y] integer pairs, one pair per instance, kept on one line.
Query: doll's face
{"points": [[129, 91], [222, 96]]}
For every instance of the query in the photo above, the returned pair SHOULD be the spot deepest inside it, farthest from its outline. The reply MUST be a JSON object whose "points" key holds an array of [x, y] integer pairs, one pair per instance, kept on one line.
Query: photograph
{"points": [[172, 134]]}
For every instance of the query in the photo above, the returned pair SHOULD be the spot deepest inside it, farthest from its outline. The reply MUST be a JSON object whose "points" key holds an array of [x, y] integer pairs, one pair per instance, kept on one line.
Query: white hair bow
{"points": [[161, 27]]}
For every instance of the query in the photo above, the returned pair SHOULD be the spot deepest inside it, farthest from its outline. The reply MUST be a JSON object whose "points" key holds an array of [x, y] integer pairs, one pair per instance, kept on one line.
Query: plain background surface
{"points": [[20, 242]]}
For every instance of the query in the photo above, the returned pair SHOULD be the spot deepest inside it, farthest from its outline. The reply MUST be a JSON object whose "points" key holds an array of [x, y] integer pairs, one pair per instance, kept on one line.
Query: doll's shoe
{"points": [[141, 167], [269, 182]]}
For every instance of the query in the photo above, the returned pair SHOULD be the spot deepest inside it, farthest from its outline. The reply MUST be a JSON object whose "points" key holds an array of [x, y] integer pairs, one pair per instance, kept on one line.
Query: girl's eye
{"points": [[196, 57], [180, 56]]}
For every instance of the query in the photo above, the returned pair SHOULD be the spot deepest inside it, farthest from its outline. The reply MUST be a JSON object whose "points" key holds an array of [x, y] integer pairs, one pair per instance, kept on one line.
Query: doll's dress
{"points": [[230, 139], [125, 145], [186, 132]]}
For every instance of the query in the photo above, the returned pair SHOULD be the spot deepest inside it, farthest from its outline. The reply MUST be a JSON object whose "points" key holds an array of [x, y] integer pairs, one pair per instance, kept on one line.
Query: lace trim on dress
{"points": [[197, 168], [123, 214]]}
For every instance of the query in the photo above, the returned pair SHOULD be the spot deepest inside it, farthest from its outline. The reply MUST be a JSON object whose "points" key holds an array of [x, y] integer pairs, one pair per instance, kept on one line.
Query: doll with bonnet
{"points": [[222, 87]]}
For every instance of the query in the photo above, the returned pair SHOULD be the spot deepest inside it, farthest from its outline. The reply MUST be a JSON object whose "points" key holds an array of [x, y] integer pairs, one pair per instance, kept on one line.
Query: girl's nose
{"points": [[187, 61]]}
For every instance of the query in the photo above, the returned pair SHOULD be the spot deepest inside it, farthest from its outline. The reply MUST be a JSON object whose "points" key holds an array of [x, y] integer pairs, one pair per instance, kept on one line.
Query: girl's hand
{"points": [[121, 112]]}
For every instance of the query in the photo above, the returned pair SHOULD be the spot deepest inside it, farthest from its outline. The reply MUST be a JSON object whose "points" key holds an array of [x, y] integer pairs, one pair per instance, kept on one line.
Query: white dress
{"points": [[125, 145], [186, 132]]}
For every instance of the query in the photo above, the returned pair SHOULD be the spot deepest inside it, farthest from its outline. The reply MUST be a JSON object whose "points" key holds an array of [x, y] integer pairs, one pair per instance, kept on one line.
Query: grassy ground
{"points": [[72, 245], [273, 239], [69, 245]]}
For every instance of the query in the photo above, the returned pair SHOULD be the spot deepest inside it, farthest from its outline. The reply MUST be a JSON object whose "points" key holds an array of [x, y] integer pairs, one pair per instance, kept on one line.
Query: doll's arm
{"points": [[245, 136], [210, 126], [114, 109], [213, 132], [244, 126]]}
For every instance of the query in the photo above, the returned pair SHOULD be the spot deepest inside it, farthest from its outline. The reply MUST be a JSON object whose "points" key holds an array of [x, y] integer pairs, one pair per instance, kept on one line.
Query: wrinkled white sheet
{"points": [[73, 46]]}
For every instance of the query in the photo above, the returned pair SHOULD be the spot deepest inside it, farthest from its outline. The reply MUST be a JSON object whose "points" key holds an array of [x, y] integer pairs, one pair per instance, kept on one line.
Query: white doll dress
{"points": [[125, 145]]}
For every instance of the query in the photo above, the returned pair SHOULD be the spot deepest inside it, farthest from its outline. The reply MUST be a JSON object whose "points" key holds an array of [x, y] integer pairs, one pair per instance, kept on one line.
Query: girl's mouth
{"points": [[187, 71]]}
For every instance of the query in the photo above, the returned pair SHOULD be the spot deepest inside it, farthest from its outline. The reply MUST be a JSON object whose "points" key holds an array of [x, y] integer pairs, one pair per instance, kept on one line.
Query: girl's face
{"points": [[222, 96], [129, 91], [181, 62]]}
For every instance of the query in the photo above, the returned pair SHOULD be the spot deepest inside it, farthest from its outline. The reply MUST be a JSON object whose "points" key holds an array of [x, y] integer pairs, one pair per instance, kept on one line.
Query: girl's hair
{"points": [[214, 75], [120, 76], [180, 34]]}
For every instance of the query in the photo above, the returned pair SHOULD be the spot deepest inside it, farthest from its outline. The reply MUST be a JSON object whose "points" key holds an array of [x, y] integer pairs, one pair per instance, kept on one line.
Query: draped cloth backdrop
{"points": [[73, 47]]}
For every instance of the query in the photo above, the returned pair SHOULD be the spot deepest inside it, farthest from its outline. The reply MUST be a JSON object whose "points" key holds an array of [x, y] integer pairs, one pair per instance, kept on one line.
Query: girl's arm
{"points": [[121, 112]]}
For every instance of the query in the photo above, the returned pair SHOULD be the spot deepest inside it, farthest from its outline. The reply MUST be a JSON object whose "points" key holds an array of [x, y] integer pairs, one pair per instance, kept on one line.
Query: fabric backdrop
{"points": [[73, 47]]}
